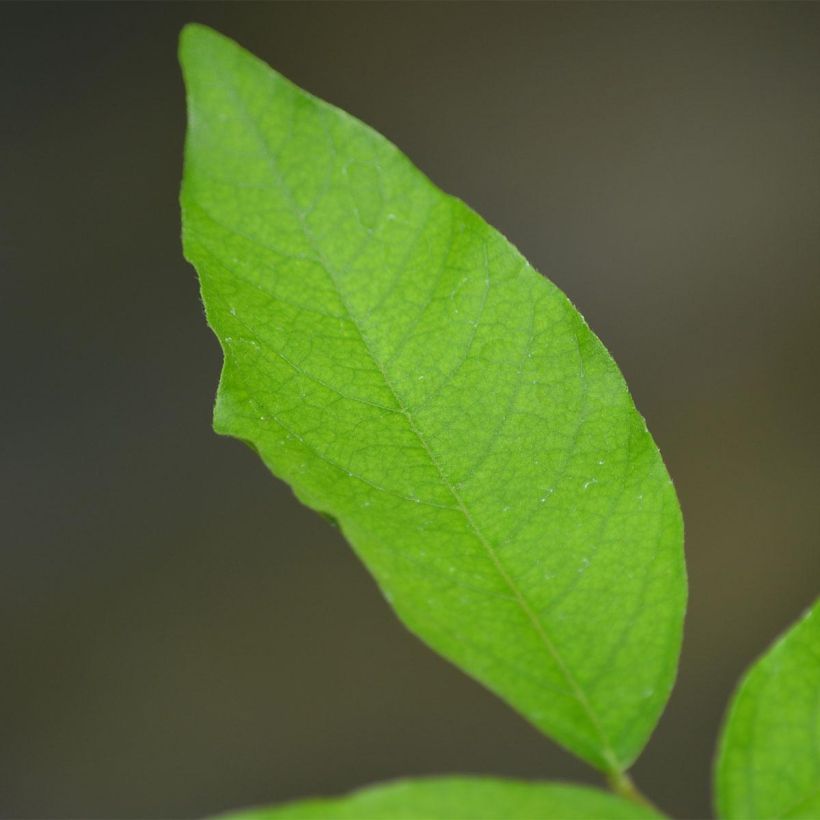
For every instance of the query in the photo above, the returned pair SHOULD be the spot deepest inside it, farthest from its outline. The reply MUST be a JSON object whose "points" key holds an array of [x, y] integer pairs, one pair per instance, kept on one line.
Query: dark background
{"points": [[178, 635]]}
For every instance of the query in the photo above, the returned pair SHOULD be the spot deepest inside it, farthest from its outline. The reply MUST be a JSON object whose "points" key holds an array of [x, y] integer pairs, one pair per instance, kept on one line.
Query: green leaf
{"points": [[769, 755], [458, 798], [402, 366]]}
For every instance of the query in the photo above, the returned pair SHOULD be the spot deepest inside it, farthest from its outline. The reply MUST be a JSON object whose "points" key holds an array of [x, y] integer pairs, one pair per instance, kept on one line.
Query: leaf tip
{"points": [[199, 42], [194, 33]]}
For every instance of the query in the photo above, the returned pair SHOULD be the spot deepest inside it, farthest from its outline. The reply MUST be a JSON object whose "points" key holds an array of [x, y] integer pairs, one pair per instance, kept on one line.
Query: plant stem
{"points": [[621, 783]]}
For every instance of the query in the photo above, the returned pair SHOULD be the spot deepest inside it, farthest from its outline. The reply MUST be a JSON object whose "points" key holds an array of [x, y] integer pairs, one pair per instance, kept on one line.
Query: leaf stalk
{"points": [[623, 785]]}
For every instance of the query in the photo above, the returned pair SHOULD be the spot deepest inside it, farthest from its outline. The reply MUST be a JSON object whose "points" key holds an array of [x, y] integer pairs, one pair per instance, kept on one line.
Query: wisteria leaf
{"points": [[769, 755], [458, 798], [401, 365]]}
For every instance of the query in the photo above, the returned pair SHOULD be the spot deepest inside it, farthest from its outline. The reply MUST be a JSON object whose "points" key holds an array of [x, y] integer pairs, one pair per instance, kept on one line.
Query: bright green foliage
{"points": [[459, 798], [769, 760], [401, 365]]}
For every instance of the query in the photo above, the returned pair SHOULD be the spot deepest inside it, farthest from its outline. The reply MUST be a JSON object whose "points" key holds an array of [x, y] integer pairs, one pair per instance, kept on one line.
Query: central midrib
{"points": [[577, 692]]}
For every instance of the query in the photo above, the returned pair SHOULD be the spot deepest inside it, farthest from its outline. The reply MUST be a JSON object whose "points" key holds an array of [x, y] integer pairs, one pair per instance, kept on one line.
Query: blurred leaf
{"points": [[769, 755], [458, 798], [401, 365]]}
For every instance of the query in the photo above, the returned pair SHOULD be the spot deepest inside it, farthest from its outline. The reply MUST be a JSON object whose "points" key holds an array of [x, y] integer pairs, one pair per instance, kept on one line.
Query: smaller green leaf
{"points": [[458, 798], [769, 756]]}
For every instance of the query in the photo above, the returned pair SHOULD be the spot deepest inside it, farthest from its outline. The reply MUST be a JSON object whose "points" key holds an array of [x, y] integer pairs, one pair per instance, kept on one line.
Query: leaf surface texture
{"points": [[401, 365]]}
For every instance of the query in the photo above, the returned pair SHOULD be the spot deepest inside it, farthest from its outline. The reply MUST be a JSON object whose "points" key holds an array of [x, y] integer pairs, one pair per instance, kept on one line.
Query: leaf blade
{"points": [[388, 354], [457, 798], [769, 753]]}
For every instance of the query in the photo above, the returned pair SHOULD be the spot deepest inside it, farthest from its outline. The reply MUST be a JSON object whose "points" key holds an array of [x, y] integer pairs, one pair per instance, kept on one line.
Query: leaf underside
{"points": [[769, 756], [398, 362], [457, 798]]}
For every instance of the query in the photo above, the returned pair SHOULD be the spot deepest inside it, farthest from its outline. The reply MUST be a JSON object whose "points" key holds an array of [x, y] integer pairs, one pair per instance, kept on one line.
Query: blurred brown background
{"points": [[178, 635]]}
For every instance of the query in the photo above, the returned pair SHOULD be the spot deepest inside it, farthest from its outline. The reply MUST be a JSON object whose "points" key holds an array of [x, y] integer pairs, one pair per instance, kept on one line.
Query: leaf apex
{"points": [[197, 38]]}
